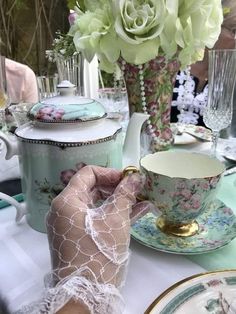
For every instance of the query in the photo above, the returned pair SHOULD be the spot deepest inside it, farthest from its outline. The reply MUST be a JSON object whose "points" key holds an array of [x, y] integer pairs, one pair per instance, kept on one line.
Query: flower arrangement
{"points": [[140, 30]]}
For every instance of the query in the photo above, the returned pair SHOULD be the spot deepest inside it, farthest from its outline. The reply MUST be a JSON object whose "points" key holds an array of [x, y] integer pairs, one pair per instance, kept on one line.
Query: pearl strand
{"points": [[144, 103], [156, 141]]}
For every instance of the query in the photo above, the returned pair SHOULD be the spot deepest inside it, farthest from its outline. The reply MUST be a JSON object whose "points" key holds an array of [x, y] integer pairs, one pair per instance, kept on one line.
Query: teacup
{"points": [[181, 185]]}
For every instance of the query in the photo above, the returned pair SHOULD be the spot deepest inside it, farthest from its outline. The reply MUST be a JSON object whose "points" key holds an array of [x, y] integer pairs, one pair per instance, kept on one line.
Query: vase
{"points": [[150, 88]]}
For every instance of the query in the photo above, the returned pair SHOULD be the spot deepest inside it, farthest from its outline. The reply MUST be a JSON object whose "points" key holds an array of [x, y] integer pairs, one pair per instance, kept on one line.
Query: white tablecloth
{"points": [[25, 260]]}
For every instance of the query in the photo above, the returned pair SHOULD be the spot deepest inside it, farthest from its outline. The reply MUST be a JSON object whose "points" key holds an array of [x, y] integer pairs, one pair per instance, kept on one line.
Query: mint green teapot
{"points": [[66, 133]]}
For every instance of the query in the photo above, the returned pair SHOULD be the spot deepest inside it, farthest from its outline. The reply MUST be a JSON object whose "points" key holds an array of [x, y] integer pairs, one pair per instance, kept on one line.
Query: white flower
{"points": [[139, 24], [140, 30]]}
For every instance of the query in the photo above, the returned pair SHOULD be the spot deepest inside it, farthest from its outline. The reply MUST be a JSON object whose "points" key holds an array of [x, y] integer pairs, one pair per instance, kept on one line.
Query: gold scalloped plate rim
{"points": [[166, 293]]}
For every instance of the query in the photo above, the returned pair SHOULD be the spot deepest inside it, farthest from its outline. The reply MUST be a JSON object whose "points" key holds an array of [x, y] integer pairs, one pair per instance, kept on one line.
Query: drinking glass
{"points": [[72, 69], [115, 102], [221, 81], [4, 99], [20, 112], [47, 86]]}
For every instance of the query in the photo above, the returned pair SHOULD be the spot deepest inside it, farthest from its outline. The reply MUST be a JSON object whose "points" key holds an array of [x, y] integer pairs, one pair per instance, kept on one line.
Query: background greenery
{"points": [[27, 30]]}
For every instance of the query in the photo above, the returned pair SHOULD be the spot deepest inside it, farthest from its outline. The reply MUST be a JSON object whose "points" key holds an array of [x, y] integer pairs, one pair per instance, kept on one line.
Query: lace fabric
{"points": [[89, 235], [190, 104], [99, 298]]}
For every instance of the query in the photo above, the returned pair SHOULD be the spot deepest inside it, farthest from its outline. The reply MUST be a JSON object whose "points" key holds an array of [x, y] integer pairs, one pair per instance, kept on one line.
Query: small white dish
{"points": [[191, 134], [184, 139]]}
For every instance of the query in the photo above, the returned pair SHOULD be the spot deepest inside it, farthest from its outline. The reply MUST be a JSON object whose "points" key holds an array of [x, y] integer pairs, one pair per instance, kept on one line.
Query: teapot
{"points": [[65, 133]]}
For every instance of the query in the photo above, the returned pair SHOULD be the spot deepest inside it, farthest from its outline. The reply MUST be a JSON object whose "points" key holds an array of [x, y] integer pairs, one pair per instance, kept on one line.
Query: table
{"points": [[25, 260]]}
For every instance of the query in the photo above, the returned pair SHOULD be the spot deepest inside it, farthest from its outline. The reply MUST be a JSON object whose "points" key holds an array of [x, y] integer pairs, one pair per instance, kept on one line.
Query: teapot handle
{"points": [[11, 144], [20, 208]]}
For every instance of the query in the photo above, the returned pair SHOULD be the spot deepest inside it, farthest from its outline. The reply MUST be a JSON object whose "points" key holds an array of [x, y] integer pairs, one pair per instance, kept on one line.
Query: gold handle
{"points": [[129, 170]]}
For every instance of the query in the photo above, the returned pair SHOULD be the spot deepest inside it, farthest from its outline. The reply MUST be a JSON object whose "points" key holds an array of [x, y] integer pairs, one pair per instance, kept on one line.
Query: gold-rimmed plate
{"points": [[206, 293]]}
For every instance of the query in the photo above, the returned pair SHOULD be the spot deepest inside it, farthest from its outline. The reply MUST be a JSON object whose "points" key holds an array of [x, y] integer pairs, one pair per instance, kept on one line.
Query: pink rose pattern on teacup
{"points": [[180, 200], [50, 112]]}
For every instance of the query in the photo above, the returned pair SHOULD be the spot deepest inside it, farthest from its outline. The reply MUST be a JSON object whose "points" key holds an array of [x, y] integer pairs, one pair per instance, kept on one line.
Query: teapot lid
{"points": [[67, 107], [57, 111]]}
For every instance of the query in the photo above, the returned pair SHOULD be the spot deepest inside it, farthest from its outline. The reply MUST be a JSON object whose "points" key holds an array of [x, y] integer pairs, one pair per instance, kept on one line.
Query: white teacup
{"points": [[181, 185]]}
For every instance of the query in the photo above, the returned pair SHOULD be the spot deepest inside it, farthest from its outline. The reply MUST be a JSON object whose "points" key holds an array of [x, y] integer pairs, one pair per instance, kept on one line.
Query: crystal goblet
{"points": [[4, 99], [221, 81]]}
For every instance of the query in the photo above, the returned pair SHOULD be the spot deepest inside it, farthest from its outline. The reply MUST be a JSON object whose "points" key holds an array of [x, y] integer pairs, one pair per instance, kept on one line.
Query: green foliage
{"points": [[107, 78], [62, 45], [20, 4], [27, 30]]}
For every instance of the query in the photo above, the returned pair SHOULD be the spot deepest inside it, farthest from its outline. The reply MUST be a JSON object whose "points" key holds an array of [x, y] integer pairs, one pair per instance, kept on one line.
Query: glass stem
{"points": [[215, 136], [3, 120]]}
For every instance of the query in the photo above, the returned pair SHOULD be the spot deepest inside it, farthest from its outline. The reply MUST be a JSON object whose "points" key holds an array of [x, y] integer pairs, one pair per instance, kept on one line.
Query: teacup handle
{"points": [[129, 170], [20, 208]]}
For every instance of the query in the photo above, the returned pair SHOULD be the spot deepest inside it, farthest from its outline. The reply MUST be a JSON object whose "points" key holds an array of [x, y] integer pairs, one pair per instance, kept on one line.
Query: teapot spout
{"points": [[131, 148]]}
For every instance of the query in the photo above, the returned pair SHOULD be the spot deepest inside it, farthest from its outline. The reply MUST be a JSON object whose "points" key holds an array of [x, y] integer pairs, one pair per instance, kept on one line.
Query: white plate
{"points": [[184, 139], [230, 157], [229, 152], [207, 293]]}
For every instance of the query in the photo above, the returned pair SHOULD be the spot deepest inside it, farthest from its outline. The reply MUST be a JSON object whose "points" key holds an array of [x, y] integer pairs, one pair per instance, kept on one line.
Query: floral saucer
{"points": [[212, 292], [217, 228], [190, 133]]}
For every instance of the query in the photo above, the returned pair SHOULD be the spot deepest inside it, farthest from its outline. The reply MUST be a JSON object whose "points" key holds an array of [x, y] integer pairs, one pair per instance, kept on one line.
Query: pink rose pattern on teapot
{"points": [[50, 112], [52, 190]]}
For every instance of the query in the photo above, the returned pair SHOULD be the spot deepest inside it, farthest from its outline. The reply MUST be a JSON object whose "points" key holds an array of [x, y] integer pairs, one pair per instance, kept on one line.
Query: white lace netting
{"points": [[99, 298], [190, 105], [89, 234]]}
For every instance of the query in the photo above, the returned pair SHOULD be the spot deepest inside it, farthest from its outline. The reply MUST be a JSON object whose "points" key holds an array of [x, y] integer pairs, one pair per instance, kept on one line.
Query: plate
{"points": [[217, 227], [230, 157], [184, 139], [207, 293], [229, 153], [191, 134]]}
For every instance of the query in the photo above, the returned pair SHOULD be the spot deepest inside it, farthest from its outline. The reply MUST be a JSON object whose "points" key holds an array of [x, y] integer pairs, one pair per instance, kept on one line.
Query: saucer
{"points": [[217, 227], [230, 153]]}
